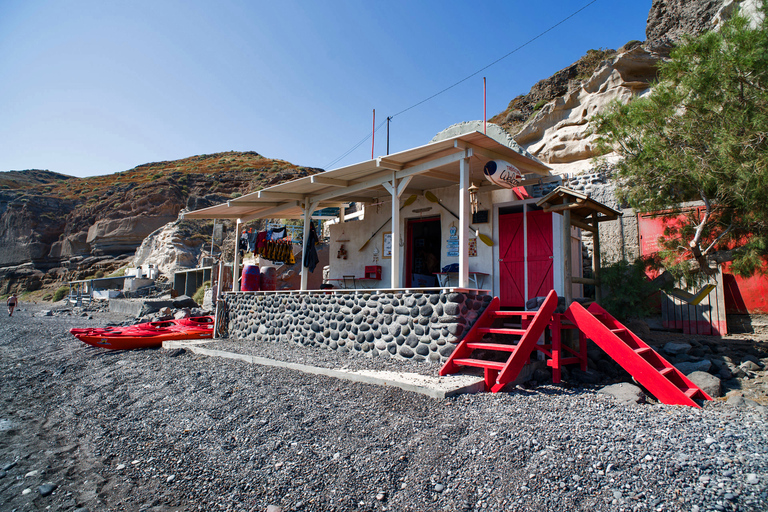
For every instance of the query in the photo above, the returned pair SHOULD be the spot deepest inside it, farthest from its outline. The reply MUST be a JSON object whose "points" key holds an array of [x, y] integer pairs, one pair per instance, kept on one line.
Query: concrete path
{"points": [[435, 387]]}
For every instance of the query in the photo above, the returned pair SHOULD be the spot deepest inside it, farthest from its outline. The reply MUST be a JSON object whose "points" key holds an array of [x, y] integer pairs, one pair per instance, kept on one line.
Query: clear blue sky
{"points": [[96, 87]]}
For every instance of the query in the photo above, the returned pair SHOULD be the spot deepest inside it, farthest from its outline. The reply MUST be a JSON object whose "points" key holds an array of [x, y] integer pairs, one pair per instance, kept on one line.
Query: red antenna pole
{"points": [[373, 132], [485, 116]]}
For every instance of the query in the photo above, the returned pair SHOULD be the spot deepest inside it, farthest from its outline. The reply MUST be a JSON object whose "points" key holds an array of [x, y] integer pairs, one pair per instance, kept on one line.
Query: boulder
{"points": [[750, 366], [184, 301], [673, 348], [689, 367], [625, 393], [708, 383]]}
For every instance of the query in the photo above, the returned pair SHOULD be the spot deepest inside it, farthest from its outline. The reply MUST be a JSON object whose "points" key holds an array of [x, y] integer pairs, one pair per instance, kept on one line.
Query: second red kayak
{"points": [[148, 334]]}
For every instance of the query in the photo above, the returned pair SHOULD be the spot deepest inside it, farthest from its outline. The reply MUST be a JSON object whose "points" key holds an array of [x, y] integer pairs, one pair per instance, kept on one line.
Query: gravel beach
{"points": [[84, 428]]}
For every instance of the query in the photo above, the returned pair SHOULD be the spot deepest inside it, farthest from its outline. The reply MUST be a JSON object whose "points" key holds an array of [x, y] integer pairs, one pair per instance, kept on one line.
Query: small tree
{"points": [[702, 135]]}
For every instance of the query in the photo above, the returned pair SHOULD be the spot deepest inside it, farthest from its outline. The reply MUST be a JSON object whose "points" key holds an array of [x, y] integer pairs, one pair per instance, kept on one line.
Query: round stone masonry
{"points": [[414, 326]]}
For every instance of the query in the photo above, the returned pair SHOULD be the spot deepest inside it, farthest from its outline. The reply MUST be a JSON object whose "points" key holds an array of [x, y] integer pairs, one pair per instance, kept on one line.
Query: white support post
{"points": [[342, 213], [464, 223], [568, 270], [236, 263], [395, 260], [219, 293], [308, 209], [396, 189]]}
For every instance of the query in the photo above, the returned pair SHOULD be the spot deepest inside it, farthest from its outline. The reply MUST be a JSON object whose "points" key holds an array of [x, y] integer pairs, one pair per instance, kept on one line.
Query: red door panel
{"points": [[540, 261], [512, 263]]}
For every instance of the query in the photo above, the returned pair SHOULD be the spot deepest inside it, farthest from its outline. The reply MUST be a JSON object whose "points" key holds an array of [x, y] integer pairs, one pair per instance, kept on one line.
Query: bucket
{"points": [[269, 279], [250, 279]]}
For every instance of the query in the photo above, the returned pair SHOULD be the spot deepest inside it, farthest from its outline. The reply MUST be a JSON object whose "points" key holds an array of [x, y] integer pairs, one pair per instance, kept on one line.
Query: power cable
{"points": [[356, 145], [541, 34]]}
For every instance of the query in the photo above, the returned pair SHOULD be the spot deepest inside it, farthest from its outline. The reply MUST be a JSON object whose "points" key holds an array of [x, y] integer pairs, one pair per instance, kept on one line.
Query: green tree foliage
{"points": [[628, 290], [702, 135]]}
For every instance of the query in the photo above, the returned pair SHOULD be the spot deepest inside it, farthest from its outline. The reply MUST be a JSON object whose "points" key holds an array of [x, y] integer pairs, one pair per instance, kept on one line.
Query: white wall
{"points": [[357, 232], [353, 234]]}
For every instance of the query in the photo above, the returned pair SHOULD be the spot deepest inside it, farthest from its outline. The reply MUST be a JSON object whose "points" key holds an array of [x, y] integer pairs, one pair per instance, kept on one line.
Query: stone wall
{"points": [[619, 239], [413, 326]]}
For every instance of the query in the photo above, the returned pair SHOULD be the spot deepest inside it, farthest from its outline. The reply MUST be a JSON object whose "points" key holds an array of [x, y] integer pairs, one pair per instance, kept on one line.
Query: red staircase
{"points": [[498, 373], [651, 370]]}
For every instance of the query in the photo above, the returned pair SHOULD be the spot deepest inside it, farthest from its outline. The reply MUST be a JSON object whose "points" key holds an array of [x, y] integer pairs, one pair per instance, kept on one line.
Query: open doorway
{"points": [[422, 252]]}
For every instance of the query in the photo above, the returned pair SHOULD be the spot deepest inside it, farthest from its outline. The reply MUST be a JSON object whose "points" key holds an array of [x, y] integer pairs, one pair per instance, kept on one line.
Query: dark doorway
{"points": [[422, 258]]}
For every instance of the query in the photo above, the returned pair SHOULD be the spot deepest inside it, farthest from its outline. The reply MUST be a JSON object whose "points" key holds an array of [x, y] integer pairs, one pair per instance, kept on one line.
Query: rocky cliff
{"points": [[57, 227], [552, 120]]}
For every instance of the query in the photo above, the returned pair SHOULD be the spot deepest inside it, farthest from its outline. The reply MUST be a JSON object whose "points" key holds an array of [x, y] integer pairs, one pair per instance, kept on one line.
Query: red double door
{"points": [[512, 257]]}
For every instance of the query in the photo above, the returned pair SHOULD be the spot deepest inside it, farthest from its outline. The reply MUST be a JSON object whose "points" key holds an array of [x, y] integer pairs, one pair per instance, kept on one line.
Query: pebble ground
{"points": [[83, 428]]}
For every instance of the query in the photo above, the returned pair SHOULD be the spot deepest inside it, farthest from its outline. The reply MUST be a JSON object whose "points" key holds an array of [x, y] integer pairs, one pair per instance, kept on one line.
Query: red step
{"points": [[522, 314], [497, 375], [501, 330], [491, 346], [652, 371], [479, 363]]}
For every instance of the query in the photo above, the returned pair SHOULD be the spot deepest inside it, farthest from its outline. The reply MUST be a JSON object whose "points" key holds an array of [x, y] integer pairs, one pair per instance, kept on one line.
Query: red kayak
{"points": [[147, 335]]}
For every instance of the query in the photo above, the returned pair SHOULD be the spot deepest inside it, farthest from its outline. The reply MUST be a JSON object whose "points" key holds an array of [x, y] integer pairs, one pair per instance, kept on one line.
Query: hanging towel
{"points": [[277, 233], [310, 252], [261, 241], [252, 235]]}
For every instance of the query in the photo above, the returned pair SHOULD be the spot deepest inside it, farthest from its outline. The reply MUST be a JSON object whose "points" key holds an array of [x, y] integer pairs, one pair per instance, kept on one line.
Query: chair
{"points": [[350, 280]]}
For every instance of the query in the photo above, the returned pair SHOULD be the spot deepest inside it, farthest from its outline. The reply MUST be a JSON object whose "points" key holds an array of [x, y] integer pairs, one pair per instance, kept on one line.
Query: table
{"points": [[444, 278]]}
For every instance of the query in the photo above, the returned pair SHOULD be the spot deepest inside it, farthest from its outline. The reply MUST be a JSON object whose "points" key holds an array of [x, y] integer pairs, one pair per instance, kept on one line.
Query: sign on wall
{"points": [[452, 244], [473, 246], [386, 244]]}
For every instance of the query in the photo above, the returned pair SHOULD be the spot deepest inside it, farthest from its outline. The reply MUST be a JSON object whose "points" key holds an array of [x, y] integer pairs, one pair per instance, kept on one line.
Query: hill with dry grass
{"points": [[55, 227]]}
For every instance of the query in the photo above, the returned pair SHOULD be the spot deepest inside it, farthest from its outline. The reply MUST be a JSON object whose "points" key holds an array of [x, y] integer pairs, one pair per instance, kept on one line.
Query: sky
{"points": [[96, 87]]}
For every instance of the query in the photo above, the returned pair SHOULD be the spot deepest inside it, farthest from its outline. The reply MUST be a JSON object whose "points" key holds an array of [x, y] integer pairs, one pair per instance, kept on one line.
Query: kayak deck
{"points": [[146, 335]]}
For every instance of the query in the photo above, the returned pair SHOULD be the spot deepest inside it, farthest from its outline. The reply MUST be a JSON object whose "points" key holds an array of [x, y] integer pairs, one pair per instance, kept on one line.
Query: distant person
{"points": [[12, 302]]}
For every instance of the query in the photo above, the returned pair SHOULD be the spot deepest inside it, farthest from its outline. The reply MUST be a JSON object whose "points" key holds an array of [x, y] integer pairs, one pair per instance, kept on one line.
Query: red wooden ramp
{"points": [[651, 370], [497, 373]]}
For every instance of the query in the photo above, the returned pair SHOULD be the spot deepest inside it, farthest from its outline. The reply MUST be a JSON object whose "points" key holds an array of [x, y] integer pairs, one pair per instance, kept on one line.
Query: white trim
{"points": [[558, 276], [526, 291], [464, 223]]}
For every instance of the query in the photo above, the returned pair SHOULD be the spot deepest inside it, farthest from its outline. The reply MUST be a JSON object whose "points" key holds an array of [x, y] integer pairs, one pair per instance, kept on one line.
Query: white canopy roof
{"points": [[431, 166]]}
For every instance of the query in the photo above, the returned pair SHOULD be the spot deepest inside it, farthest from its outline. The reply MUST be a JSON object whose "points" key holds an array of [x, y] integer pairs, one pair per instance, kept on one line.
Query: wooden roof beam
{"points": [[384, 163], [233, 203], [331, 182], [270, 211], [387, 176], [281, 195], [453, 178], [524, 162], [580, 222]]}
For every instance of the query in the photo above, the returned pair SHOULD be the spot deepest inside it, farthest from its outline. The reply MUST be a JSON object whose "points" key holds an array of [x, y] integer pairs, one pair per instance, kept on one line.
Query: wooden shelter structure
{"points": [[585, 213]]}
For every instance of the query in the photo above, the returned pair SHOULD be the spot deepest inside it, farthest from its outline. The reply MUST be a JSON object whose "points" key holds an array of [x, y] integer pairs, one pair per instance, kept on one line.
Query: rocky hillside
{"points": [[552, 120], [56, 227]]}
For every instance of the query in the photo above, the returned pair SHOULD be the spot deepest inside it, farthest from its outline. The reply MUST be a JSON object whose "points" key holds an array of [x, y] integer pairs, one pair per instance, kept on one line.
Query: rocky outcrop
{"points": [[118, 236], [175, 245], [558, 134], [669, 20], [29, 225], [54, 222]]}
